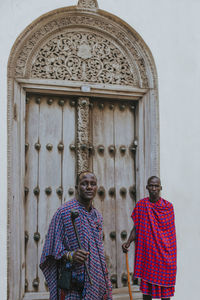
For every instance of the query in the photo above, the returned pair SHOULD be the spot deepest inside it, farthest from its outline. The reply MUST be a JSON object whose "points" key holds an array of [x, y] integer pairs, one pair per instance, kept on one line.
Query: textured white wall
{"points": [[171, 30]]}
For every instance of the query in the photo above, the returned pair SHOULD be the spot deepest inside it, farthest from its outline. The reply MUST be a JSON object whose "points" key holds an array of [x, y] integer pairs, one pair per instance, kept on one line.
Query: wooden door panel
{"points": [[124, 181], [103, 167], [50, 121], [50, 135], [113, 129]]}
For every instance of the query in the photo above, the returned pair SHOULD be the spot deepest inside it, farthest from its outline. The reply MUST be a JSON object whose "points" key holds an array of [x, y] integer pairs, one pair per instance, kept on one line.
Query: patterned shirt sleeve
{"points": [[54, 248]]}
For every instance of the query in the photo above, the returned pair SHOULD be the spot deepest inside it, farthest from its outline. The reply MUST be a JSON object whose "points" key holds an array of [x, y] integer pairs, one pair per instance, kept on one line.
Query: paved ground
{"points": [[122, 294]]}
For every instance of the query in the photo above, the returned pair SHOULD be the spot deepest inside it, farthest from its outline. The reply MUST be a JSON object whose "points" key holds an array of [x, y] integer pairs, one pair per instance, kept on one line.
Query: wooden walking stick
{"points": [[128, 274]]}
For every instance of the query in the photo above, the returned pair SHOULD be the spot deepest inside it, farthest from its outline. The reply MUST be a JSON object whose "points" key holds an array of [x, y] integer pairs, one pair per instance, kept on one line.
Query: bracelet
{"points": [[69, 256]]}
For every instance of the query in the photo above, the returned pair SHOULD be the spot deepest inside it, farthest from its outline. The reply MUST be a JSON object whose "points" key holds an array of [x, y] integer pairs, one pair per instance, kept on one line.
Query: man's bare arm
{"points": [[131, 238]]}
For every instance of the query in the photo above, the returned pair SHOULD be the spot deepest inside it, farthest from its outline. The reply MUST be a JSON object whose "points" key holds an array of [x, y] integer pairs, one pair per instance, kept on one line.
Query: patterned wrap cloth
{"points": [[61, 238], [155, 247]]}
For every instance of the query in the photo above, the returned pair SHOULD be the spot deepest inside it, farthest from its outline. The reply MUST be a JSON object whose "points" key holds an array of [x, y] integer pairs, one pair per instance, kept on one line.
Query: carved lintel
{"points": [[82, 134], [84, 56], [88, 4], [83, 53]]}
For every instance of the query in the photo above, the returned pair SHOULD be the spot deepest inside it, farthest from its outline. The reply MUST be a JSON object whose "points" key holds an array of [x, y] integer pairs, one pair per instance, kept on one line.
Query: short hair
{"points": [[153, 177], [79, 175]]}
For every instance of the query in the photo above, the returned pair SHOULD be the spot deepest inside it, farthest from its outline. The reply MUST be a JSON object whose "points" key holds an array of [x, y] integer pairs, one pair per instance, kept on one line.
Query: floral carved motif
{"points": [[84, 57]]}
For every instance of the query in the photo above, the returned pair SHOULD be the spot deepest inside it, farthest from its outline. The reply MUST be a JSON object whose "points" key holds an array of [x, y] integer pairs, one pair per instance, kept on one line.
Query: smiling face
{"points": [[87, 187], [154, 187]]}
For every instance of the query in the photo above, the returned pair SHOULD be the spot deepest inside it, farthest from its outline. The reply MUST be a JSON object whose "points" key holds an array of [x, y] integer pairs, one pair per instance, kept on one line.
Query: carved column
{"points": [[82, 134]]}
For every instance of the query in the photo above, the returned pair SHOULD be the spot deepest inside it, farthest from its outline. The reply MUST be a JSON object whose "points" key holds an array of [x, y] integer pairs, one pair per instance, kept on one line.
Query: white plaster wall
{"points": [[171, 29]]}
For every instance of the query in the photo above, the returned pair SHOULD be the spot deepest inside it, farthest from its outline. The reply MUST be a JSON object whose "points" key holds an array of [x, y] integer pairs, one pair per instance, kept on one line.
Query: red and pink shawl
{"points": [[155, 246]]}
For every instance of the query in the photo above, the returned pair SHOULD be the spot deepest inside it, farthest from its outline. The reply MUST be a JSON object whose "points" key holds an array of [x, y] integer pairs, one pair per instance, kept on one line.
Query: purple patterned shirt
{"points": [[61, 238]]}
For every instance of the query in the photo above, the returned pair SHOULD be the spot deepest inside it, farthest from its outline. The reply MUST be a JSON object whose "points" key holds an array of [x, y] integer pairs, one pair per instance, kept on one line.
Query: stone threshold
{"points": [[123, 294], [118, 294]]}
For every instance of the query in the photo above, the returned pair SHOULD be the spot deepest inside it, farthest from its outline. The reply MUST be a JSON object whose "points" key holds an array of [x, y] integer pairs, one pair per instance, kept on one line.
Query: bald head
{"points": [[82, 174], [152, 178], [86, 188], [154, 187]]}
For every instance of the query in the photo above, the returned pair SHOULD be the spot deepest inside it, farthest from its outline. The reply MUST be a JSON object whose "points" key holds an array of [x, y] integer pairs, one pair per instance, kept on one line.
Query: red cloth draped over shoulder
{"points": [[155, 246]]}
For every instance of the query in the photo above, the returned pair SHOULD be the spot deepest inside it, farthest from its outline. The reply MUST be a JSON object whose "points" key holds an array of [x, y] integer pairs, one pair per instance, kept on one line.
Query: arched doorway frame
{"points": [[86, 17]]}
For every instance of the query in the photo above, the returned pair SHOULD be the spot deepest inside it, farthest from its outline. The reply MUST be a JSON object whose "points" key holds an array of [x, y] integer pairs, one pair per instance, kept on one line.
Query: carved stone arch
{"points": [[115, 31], [122, 67]]}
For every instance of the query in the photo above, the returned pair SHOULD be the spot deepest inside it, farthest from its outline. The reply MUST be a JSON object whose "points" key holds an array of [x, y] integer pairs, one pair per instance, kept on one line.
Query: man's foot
{"points": [[147, 297]]}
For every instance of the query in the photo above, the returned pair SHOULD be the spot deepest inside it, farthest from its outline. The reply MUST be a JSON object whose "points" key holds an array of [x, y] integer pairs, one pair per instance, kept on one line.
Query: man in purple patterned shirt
{"points": [[61, 248]]}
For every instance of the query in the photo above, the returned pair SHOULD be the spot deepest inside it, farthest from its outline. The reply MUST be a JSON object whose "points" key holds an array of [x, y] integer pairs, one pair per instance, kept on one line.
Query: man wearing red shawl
{"points": [[72, 273], [155, 244]]}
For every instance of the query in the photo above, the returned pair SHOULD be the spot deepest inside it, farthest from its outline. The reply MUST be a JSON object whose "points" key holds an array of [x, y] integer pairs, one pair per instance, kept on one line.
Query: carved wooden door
{"points": [[64, 136]]}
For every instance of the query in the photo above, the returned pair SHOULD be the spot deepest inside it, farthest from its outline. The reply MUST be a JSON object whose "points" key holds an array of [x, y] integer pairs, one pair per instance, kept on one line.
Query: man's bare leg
{"points": [[147, 297]]}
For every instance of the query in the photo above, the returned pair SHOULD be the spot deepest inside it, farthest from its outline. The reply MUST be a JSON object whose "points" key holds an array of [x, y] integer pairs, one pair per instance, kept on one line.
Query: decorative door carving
{"points": [[83, 56], [69, 135]]}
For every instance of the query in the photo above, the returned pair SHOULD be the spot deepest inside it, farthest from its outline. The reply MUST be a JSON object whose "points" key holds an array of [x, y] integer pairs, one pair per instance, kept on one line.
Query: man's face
{"points": [[87, 186], [154, 187]]}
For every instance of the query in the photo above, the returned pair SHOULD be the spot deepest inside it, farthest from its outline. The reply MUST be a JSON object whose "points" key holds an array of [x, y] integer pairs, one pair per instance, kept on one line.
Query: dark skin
{"points": [[86, 190], [154, 187]]}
